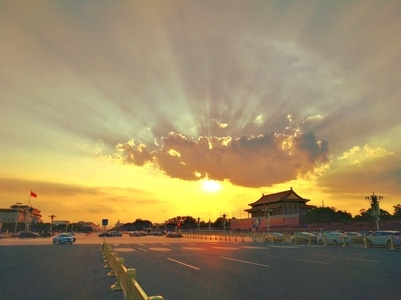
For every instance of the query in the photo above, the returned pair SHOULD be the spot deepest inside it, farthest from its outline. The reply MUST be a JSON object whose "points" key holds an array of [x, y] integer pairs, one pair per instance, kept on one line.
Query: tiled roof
{"points": [[277, 197]]}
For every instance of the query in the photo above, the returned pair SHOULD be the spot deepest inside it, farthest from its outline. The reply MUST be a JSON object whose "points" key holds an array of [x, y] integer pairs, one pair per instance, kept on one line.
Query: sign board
{"points": [[105, 222]]}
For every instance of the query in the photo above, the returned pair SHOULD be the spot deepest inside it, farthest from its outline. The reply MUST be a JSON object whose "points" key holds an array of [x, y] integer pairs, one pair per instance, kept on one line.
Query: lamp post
{"points": [[224, 222], [267, 212], [375, 207], [17, 217], [51, 224]]}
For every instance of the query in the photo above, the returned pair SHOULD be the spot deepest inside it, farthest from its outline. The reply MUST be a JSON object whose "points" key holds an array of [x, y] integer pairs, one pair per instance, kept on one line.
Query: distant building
{"points": [[21, 213], [61, 222], [274, 211]]}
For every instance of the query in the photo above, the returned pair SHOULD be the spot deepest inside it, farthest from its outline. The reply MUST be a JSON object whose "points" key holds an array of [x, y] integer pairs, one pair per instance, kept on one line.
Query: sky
{"points": [[155, 109]]}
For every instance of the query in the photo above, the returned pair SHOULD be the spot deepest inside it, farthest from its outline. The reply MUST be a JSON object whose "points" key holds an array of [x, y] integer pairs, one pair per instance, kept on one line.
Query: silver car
{"points": [[333, 238], [383, 238], [63, 238]]}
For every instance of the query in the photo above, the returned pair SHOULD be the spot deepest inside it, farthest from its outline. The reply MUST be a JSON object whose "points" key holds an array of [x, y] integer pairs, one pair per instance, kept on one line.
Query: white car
{"points": [[383, 238], [333, 238], [63, 238]]}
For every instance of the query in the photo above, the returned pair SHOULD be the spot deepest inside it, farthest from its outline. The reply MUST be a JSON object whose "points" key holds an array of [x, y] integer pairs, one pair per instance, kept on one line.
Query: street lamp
{"points": [[224, 222], [375, 208], [17, 218], [267, 213], [51, 224]]}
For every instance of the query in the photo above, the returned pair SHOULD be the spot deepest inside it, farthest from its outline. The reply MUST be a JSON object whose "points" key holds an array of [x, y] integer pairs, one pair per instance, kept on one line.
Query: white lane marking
{"points": [[184, 264], [226, 248], [124, 249], [244, 261], [297, 259], [160, 249], [348, 258], [193, 248], [144, 250], [254, 247]]}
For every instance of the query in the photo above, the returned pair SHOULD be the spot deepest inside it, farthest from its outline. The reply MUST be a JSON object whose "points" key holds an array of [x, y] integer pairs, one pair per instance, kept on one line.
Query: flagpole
{"points": [[28, 221], [30, 194]]}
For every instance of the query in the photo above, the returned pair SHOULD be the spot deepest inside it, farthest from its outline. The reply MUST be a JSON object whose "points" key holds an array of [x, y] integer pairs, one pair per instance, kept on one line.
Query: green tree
{"points": [[326, 215], [397, 211]]}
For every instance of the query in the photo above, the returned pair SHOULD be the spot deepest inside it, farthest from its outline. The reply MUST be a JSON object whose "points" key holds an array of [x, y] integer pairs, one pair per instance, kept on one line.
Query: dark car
{"points": [[27, 234], [115, 233], [174, 234], [105, 234], [45, 234]]}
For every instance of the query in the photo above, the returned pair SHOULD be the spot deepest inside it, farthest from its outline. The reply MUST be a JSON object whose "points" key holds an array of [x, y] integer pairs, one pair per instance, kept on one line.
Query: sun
{"points": [[210, 186]]}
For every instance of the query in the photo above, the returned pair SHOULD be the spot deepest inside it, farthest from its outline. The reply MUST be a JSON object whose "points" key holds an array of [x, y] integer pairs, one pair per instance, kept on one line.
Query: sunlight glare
{"points": [[210, 186]]}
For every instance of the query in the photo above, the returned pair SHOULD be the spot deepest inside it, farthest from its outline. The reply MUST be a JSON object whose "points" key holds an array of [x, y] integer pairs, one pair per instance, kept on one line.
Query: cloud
{"points": [[251, 162], [363, 169]]}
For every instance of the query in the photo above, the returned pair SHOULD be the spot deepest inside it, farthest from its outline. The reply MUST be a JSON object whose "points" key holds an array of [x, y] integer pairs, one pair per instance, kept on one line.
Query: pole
{"points": [[17, 218], [51, 224]]}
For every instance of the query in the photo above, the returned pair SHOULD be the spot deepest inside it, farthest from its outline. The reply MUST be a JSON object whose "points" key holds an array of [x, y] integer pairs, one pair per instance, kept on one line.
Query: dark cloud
{"points": [[252, 162]]}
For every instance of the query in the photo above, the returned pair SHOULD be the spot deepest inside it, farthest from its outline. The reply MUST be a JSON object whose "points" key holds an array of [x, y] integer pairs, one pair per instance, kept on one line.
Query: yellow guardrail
{"points": [[126, 278]]}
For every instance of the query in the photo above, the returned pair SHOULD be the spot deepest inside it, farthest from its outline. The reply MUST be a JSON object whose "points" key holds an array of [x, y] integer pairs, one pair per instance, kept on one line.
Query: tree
{"points": [[366, 215], [326, 215], [397, 211]]}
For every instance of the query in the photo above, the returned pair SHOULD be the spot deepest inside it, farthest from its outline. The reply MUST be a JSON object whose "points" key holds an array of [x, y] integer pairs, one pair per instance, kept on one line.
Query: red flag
{"points": [[33, 194]]}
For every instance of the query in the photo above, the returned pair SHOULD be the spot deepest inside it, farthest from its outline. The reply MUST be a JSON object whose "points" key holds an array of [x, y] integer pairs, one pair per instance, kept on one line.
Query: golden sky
{"points": [[155, 109]]}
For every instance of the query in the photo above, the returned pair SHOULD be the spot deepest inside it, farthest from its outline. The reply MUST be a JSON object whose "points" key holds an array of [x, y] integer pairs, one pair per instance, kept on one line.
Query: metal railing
{"points": [[126, 278]]}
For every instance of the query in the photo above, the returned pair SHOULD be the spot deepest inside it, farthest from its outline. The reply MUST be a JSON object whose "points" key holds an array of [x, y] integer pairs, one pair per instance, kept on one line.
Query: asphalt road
{"points": [[227, 270], [46, 271], [198, 269]]}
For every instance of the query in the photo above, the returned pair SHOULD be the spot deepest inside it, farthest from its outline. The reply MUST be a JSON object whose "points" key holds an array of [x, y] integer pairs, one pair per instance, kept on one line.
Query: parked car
{"points": [[174, 234], [333, 238], [274, 237], [156, 233], [383, 238], [356, 237], [304, 237], [110, 234], [116, 233], [137, 233], [104, 234], [45, 234], [27, 234], [63, 238]]}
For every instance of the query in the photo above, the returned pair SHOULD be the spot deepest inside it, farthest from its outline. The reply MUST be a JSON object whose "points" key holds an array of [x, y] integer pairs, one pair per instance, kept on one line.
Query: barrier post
{"points": [[324, 239], [344, 241], [391, 242], [365, 241], [117, 286]]}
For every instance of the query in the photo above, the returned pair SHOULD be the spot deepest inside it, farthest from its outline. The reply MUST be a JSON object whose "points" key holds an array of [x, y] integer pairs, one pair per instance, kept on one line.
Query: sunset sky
{"points": [[155, 109]]}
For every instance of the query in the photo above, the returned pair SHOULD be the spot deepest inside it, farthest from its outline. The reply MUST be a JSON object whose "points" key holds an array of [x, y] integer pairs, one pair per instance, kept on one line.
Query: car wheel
{"points": [[369, 244], [319, 242], [388, 244], [335, 243]]}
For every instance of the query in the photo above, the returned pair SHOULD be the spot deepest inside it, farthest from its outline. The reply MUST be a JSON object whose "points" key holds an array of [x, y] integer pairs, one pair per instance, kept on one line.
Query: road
{"points": [[198, 269], [227, 270]]}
